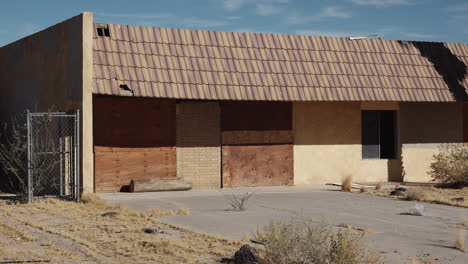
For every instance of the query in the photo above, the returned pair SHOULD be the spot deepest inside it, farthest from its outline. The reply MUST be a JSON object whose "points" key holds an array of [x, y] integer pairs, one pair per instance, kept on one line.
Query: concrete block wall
{"points": [[198, 144]]}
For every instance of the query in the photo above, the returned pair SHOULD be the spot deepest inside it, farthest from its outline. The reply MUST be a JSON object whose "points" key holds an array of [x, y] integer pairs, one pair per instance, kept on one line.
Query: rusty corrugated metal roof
{"points": [[211, 65]]}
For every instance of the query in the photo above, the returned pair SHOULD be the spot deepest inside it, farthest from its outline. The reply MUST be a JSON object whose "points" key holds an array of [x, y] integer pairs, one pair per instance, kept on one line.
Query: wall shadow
{"points": [[451, 69]]}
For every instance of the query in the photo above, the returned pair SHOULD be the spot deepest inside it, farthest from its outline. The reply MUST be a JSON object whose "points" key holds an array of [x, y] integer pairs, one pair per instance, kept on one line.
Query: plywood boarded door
{"points": [[257, 147], [134, 138]]}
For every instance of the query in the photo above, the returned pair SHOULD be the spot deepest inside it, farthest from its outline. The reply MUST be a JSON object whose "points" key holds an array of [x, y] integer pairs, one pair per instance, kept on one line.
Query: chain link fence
{"points": [[53, 159]]}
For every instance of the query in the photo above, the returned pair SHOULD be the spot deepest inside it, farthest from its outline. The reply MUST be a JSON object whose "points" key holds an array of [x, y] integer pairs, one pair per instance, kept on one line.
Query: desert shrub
{"points": [[13, 158], [450, 165], [303, 241], [346, 183]]}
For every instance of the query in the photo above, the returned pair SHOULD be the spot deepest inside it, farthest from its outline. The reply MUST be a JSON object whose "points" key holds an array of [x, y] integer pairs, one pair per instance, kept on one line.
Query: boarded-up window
{"points": [[134, 139], [257, 142], [379, 134]]}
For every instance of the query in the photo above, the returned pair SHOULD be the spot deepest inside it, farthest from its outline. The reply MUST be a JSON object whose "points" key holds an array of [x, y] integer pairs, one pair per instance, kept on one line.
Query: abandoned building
{"points": [[223, 109]]}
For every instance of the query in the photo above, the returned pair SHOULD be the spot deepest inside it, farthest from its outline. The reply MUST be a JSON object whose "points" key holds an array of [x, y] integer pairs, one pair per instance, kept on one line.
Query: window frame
{"points": [[367, 155]]}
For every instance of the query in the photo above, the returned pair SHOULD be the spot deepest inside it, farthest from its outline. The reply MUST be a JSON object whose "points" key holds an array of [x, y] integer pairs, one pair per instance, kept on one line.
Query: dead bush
{"points": [[238, 201], [303, 241], [415, 194], [13, 158], [346, 183], [450, 165]]}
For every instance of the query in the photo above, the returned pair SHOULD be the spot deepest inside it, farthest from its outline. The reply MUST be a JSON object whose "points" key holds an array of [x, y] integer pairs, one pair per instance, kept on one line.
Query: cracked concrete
{"points": [[400, 238]]}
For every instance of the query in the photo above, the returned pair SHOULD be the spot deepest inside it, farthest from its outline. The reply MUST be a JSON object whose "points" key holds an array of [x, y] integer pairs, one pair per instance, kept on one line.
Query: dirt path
{"points": [[26, 243], [95, 232]]}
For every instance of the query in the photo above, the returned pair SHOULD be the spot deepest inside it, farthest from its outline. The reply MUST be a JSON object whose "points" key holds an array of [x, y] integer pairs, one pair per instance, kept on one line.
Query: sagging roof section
{"points": [[211, 65]]}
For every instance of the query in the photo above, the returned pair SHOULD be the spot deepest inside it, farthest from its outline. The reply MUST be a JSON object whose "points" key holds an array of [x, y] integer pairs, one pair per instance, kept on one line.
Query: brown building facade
{"points": [[241, 109]]}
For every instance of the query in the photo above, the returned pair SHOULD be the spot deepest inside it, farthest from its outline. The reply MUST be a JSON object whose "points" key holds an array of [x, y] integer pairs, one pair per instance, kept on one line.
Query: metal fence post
{"points": [[28, 125]]}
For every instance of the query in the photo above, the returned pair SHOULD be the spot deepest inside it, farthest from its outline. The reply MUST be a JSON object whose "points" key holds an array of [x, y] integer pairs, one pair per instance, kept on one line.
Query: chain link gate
{"points": [[53, 155]]}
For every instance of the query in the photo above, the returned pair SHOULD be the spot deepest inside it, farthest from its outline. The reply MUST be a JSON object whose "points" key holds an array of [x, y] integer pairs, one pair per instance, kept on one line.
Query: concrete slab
{"points": [[399, 237]]}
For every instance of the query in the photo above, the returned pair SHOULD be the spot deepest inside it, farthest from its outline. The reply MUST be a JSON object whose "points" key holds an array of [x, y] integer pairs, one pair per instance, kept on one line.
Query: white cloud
{"points": [[381, 3], [326, 12], [333, 11], [267, 9]]}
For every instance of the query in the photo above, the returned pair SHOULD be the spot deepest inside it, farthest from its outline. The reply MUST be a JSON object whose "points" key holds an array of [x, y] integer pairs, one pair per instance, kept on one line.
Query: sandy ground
{"points": [[455, 197], [53, 231], [401, 238]]}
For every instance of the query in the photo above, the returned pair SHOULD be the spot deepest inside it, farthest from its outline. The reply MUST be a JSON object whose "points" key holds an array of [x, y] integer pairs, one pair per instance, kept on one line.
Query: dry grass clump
{"points": [[116, 232], [415, 194], [182, 211], [346, 183], [303, 241], [93, 199], [378, 186], [460, 240], [352, 230]]}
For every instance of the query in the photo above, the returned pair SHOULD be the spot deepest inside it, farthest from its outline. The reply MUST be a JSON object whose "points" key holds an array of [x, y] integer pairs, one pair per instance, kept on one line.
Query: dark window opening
{"points": [[103, 30], [379, 135]]}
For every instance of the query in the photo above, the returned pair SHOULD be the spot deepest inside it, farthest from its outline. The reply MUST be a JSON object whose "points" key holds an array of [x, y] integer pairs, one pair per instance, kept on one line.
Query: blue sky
{"points": [[429, 20]]}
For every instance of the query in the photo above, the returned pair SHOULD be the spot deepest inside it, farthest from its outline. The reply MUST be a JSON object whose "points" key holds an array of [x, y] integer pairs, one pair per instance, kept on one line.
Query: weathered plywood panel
{"points": [[114, 169], [257, 137], [134, 139], [257, 165]]}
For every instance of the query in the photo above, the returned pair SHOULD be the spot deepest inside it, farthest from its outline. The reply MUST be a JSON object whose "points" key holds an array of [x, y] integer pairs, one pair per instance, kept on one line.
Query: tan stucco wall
{"points": [[45, 71], [327, 145], [87, 105], [423, 127]]}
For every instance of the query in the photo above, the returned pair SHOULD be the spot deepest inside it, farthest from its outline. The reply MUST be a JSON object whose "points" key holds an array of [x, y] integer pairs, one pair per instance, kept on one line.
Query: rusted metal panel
{"points": [[257, 165], [246, 116], [134, 138], [257, 137]]}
